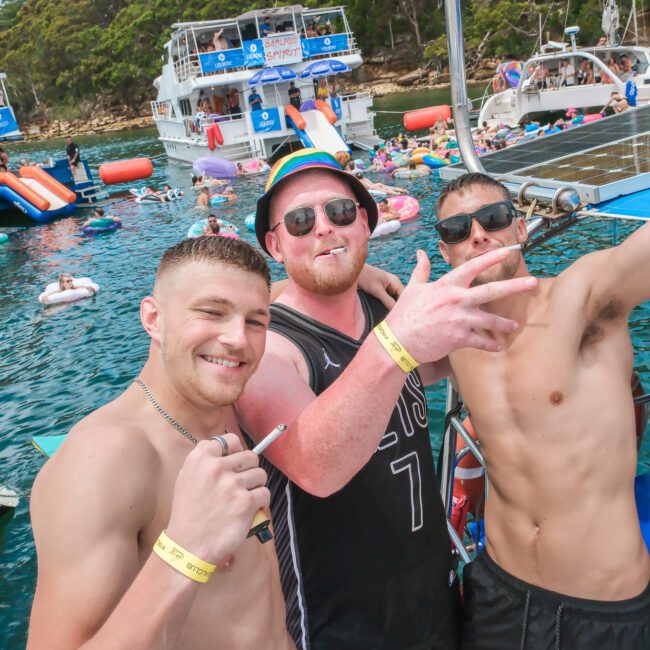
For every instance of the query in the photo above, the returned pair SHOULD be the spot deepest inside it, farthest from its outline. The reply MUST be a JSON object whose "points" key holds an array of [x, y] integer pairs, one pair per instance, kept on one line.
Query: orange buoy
{"points": [[209, 134], [122, 171], [216, 135], [326, 110], [469, 475], [423, 118], [640, 410], [293, 113]]}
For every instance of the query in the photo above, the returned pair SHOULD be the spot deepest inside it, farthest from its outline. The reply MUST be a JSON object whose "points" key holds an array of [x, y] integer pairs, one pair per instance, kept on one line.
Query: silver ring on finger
{"points": [[223, 442]]}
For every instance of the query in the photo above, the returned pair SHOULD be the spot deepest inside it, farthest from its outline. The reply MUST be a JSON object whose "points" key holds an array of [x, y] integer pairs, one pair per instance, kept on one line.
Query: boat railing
{"points": [[161, 110], [251, 56]]}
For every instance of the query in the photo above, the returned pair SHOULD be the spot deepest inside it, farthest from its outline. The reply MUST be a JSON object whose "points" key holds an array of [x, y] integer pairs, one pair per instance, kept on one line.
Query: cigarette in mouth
{"points": [[336, 251], [514, 247]]}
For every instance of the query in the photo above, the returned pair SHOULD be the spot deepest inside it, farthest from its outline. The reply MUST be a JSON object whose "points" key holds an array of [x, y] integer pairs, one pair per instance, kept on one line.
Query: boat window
{"points": [[185, 106]]}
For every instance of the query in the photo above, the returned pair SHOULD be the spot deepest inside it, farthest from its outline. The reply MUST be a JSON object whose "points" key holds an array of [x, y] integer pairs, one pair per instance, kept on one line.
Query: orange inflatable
{"points": [[417, 155], [294, 114], [122, 171], [469, 476], [326, 110], [47, 181], [423, 118], [12, 181]]}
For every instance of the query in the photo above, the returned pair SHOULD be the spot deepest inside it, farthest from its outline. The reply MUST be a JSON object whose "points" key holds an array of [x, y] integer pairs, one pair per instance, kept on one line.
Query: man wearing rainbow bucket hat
{"points": [[360, 530]]}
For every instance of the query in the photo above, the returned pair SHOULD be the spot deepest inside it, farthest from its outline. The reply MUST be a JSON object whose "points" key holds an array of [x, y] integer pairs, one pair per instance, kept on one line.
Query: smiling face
{"points": [[307, 259], [481, 241], [208, 336]]}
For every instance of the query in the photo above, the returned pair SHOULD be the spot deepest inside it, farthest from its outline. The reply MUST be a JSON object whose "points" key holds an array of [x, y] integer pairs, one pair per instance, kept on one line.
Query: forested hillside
{"points": [[71, 55]]}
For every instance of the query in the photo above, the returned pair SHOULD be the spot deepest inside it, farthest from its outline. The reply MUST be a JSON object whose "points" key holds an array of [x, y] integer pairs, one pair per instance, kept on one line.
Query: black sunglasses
{"points": [[491, 217], [300, 221]]}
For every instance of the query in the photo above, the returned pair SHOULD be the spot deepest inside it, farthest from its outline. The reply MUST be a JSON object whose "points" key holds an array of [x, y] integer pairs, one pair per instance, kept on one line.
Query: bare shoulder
{"points": [[106, 462]]}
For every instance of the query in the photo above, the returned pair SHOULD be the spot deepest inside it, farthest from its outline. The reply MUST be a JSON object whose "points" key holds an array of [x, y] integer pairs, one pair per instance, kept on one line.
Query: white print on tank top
{"points": [[328, 361], [409, 465]]}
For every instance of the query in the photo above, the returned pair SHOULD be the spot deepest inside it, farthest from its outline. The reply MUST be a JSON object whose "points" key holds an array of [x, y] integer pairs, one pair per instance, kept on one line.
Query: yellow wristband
{"points": [[396, 350], [182, 560]]}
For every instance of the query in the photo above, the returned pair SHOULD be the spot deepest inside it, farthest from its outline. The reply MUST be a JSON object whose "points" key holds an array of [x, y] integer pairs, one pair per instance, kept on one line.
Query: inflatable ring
{"points": [[407, 207], [105, 224], [215, 200], [386, 228], [418, 172], [433, 161], [226, 229], [85, 288], [249, 221]]}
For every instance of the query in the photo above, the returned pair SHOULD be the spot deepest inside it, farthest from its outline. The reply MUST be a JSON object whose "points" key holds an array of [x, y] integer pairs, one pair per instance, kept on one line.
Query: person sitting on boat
{"points": [[295, 98], [235, 108], [613, 67], [312, 32], [108, 570], [98, 213], [255, 100], [321, 92], [213, 228], [627, 69], [565, 564], [617, 102], [567, 74]]}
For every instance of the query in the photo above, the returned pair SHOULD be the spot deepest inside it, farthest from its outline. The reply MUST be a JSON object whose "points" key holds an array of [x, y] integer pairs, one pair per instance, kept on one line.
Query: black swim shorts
{"points": [[504, 613]]}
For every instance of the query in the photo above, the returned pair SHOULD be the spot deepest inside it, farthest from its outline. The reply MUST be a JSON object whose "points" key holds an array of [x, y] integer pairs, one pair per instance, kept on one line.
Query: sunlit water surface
{"points": [[60, 363]]}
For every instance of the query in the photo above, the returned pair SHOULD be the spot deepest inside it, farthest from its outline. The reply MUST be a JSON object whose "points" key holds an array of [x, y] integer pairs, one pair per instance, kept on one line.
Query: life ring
{"points": [[226, 228], [105, 224], [218, 198], [386, 228], [469, 475], [85, 288], [407, 207], [640, 410]]}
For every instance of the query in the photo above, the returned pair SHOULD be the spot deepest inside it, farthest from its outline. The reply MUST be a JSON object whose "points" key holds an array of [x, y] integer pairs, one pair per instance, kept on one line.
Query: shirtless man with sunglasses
{"points": [[360, 530], [565, 563]]}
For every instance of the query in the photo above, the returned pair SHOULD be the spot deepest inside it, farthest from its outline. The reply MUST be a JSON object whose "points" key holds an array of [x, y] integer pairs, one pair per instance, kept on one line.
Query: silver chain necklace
{"points": [[182, 430]]}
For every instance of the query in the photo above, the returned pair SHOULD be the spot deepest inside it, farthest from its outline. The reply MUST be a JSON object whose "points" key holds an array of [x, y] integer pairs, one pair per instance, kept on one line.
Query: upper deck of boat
{"points": [[601, 160]]}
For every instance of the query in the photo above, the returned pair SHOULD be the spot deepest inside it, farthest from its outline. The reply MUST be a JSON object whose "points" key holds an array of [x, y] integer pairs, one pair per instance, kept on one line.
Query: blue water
{"points": [[60, 363]]}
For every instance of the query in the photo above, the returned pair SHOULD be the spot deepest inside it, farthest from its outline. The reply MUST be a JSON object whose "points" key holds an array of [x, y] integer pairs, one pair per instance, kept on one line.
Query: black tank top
{"points": [[370, 566]]}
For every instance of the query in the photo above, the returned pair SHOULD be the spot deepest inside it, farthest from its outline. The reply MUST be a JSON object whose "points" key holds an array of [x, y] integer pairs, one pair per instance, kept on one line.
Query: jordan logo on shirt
{"points": [[329, 362]]}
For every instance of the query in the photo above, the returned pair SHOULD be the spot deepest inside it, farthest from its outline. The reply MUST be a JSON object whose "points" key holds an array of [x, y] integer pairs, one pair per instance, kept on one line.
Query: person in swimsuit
{"points": [[565, 564], [360, 530]]}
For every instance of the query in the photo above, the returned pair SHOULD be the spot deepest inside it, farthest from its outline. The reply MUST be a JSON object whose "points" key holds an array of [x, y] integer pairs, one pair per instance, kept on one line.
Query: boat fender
{"points": [[423, 118], [469, 475], [122, 171]]}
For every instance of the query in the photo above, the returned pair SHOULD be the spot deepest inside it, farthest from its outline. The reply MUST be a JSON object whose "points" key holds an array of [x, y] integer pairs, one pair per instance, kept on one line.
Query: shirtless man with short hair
{"points": [[555, 419], [125, 473]]}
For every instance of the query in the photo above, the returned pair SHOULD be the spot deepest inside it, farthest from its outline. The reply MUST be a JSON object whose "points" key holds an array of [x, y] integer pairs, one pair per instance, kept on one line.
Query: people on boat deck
{"points": [[98, 213], [294, 95], [360, 529], [321, 92], [567, 74], [72, 152], [186, 488], [255, 100], [626, 67], [212, 229], [233, 102], [219, 42], [266, 28], [565, 565], [617, 102]]}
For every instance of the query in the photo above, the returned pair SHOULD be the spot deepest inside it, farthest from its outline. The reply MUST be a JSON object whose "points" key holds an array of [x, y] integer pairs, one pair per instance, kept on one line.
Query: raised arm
{"points": [[89, 505], [622, 272], [332, 436]]}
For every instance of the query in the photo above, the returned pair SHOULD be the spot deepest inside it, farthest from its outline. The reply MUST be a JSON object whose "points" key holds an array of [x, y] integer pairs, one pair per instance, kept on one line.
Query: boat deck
{"points": [[601, 160]]}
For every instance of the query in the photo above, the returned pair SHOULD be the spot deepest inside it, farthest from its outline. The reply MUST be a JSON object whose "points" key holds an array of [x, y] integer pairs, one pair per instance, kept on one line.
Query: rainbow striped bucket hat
{"points": [[301, 161]]}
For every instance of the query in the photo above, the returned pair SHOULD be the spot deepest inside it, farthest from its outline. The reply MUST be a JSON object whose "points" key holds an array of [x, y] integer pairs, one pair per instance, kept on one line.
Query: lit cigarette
{"points": [[514, 247], [269, 439], [336, 251]]}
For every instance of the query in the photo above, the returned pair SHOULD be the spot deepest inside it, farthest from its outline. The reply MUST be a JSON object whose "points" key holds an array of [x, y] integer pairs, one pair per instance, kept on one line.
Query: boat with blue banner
{"points": [[246, 87], [9, 130]]}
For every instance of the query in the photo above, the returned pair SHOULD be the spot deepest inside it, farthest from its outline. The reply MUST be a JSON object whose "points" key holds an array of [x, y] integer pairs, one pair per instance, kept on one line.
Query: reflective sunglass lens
{"points": [[300, 221], [455, 229], [341, 212]]}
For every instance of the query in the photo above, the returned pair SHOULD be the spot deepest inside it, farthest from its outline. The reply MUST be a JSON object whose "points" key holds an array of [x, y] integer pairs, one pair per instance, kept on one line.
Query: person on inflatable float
{"points": [[99, 214], [213, 228], [66, 282]]}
